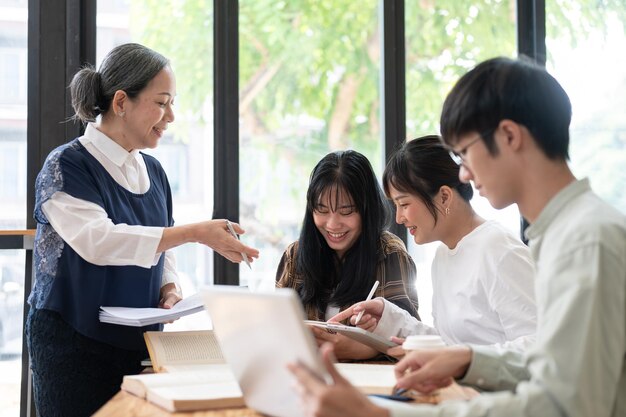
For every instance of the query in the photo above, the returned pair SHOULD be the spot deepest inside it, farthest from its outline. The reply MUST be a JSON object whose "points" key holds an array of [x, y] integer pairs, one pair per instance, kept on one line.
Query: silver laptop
{"points": [[260, 333]]}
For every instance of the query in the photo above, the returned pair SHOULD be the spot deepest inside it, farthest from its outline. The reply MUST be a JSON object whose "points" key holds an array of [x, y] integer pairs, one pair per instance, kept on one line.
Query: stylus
{"points": [[369, 297]]}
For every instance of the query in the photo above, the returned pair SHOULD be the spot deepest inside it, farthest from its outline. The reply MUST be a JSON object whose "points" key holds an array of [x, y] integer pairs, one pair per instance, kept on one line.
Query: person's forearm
{"points": [[494, 369], [87, 229], [176, 236], [170, 273], [396, 321]]}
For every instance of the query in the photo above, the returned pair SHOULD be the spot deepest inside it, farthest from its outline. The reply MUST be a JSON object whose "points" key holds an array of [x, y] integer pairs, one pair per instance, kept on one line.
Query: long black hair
{"points": [[326, 279]]}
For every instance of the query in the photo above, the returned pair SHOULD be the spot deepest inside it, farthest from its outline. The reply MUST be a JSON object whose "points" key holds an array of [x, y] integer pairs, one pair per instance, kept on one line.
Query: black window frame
{"points": [[62, 38]]}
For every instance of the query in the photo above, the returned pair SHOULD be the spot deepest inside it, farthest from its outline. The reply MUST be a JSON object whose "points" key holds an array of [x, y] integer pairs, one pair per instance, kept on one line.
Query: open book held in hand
{"points": [[355, 333], [139, 317]]}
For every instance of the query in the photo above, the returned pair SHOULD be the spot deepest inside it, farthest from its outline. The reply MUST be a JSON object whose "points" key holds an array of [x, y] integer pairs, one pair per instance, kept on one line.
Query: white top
{"points": [[577, 367], [86, 227], [483, 293]]}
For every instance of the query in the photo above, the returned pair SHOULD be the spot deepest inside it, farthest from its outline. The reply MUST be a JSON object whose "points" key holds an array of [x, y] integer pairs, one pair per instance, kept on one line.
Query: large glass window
{"points": [[13, 68], [11, 313], [444, 39], [13, 86], [182, 31], [589, 63], [309, 85]]}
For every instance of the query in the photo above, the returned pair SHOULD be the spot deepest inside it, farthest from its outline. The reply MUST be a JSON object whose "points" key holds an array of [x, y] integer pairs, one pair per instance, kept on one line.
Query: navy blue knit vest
{"points": [[65, 282]]}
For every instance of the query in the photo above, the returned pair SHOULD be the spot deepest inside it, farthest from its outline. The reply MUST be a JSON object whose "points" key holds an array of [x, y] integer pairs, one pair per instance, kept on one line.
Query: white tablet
{"points": [[356, 333], [260, 333]]}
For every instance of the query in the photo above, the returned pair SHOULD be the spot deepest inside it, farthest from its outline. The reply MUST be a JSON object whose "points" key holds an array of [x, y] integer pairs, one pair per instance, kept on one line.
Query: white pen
{"points": [[369, 297], [236, 236]]}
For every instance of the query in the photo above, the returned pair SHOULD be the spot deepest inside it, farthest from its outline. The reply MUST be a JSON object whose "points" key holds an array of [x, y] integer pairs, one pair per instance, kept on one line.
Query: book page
{"points": [[186, 347], [199, 367], [217, 373], [369, 378]]}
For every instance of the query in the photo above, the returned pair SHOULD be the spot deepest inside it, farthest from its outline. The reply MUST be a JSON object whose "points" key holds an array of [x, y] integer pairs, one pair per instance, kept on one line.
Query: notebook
{"points": [[355, 333], [260, 333], [139, 317]]}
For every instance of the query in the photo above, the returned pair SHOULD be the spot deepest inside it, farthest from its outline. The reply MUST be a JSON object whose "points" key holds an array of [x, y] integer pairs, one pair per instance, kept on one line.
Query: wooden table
{"points": [[124, 404]]}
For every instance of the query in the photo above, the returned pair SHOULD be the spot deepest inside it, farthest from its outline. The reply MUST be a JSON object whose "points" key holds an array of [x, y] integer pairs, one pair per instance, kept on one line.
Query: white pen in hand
{"points": [[369, 297], [236, 236]]}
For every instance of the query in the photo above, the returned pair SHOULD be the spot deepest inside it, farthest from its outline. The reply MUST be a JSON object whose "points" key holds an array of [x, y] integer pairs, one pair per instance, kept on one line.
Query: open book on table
{"points": [[205, 387], [176, 351], [214, 386], [139, 317], [191, 373]]}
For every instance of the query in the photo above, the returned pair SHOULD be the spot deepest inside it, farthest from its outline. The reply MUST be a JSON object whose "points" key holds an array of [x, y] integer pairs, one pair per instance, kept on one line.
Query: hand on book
{"points": [[344, 347], [170, 295], [397, 352], [373, 311]]}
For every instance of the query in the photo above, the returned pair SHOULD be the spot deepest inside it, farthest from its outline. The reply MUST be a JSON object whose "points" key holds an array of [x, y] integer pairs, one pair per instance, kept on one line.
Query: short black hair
{"points": [[515, 89]]}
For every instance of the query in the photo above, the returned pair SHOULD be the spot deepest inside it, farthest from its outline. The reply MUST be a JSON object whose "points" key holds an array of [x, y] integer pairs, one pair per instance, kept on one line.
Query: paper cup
{"points": [[423, 342]]}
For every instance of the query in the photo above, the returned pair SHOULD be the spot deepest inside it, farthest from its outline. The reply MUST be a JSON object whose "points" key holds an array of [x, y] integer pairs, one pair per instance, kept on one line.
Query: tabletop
{"points": [[124, 404]]}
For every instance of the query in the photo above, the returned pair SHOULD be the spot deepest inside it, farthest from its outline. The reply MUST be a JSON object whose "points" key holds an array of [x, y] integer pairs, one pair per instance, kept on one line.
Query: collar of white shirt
{"points": [[108, 147]]}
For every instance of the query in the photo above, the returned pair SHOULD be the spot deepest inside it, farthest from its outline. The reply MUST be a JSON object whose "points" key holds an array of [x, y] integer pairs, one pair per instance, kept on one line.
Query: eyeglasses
{"points": [[459, 156]]}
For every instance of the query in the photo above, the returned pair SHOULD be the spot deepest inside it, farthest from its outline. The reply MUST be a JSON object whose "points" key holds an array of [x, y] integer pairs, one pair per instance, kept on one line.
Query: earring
{"points": [[122, 114], [447, 211]]}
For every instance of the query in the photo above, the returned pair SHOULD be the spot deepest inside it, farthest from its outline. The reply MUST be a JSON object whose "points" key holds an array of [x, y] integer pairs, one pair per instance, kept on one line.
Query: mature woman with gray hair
{"points": [[104, 232]]}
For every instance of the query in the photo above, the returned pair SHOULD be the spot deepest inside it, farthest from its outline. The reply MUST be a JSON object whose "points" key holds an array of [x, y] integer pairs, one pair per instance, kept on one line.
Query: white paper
{"points": [[139, 317]]}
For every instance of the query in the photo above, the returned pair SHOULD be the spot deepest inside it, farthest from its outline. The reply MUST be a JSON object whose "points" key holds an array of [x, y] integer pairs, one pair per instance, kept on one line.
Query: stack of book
{"points": [[191, 373]]}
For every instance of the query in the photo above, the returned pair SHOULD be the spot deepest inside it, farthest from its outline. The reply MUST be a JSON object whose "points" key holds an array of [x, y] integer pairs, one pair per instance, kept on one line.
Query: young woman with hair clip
{"points": [[482, 274], [344, 249]]}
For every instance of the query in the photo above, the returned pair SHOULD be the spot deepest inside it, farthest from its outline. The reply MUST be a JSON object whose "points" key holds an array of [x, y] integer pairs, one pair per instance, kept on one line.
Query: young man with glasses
{"points": [[577, 365]]}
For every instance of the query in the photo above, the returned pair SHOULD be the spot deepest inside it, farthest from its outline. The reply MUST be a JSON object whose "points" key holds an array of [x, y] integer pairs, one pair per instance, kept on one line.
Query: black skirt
{"points": [[73, 375]]}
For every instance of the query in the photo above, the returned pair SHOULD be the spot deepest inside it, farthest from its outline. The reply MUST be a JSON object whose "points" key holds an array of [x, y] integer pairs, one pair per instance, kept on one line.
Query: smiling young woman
{"points": [[482, 274], [344, 248]]}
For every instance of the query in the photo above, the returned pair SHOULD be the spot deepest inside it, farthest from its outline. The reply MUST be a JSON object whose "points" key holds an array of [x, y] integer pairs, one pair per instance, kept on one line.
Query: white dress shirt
{"points": [[86, 227], [483, 293]]}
